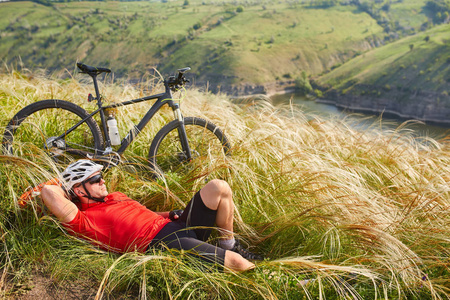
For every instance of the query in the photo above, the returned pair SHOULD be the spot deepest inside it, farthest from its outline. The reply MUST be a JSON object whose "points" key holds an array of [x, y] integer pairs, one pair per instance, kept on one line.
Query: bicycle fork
{"points": [[182, 132]]}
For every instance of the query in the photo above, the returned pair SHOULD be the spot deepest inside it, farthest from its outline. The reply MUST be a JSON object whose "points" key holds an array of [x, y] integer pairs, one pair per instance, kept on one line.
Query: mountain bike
{"points": [[65, 130]]}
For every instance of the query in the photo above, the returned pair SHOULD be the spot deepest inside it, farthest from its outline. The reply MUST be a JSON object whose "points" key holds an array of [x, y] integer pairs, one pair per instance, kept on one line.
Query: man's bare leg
{"points": [[234, 261], [217, 195]]}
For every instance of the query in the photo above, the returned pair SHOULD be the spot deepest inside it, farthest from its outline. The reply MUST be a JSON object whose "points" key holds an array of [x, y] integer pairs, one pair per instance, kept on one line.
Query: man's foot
{"points": [[245, 253]]}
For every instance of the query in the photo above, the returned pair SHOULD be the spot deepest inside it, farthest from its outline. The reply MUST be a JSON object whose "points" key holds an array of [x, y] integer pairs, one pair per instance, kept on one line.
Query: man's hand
{"points": [[175, 214]]}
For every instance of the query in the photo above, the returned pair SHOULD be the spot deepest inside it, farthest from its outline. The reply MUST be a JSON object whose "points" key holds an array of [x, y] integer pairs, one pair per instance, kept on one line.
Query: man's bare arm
{"points": [[164, 214], [55, 200]]}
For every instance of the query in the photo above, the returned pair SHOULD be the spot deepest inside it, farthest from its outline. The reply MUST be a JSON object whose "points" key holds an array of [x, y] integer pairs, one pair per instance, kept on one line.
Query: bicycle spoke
{"points": [[39, 130], [207, 150]]}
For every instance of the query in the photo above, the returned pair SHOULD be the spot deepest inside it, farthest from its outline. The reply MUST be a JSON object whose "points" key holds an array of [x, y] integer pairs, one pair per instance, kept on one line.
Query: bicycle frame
{"points": [[162, 99]]}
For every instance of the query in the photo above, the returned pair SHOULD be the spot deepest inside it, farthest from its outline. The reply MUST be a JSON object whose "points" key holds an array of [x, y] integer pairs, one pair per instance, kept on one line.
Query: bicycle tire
{"points": [[208, 144], [34, 127]]}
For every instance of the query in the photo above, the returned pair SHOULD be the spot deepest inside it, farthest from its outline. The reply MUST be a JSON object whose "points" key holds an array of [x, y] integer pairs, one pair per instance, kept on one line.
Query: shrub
{"points": [[302, 84], [336, 66], [318, 93], [197, 25]]}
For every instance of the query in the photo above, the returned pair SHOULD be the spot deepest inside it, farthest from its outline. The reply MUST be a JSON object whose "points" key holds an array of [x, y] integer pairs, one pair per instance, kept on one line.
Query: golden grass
{"points": [[321, 200]]}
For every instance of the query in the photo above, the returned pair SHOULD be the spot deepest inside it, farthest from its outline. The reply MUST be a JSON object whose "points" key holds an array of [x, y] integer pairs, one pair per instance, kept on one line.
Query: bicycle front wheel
{"points": [[208, 144], [37, 127]]}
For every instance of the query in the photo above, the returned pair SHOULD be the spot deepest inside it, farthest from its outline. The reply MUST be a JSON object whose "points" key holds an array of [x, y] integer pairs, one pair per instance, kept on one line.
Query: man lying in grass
{"points": [[120, 224]]}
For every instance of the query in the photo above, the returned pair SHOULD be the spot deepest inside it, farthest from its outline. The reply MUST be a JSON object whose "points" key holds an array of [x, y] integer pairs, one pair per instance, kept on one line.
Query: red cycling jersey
{"points": [[119, 224]]}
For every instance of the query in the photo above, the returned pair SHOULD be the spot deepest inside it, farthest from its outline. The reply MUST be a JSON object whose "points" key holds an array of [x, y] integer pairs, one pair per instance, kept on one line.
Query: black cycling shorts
{"points": [[191, 231]]}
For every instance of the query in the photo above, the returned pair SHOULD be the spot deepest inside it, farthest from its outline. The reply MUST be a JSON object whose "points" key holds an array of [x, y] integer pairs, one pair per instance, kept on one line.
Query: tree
{"points": [[197, 25], [302, 84], [386, 7], [440, 9]]}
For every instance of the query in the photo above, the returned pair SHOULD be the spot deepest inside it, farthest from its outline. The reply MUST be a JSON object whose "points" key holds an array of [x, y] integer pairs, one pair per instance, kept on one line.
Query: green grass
{"points": [[131, 36], [268, 48], [409, 13], [363, 214], [424, 67], [266, 42]]}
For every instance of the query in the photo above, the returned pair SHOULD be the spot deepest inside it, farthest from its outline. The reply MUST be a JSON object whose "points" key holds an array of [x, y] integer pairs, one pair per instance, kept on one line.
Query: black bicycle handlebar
{"points": [[175, 83]]}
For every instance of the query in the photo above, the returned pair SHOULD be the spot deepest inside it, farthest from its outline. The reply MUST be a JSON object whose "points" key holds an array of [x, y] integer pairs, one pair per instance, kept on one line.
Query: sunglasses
{"points": [[94, 179]]}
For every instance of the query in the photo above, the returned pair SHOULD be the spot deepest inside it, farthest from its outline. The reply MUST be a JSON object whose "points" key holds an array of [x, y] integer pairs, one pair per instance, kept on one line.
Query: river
{"points": [[359, 120]]}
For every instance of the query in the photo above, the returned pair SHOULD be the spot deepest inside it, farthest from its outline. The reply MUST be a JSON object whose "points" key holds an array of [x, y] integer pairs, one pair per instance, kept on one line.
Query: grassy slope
{"points": [[409, 13], [318, 199], [394, 65], [265, 44], [425, 67]]}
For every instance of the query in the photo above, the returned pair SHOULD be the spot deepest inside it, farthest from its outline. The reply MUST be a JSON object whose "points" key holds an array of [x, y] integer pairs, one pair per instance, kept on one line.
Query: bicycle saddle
{"points": [[92, 70]]}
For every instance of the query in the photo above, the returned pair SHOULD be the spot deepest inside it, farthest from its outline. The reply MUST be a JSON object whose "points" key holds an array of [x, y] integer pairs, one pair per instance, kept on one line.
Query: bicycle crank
{"points": [[55, 146]]}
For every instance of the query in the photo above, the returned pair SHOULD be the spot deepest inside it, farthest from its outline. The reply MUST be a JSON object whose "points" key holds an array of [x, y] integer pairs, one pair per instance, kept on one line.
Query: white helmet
{"points": [[79, 171]]}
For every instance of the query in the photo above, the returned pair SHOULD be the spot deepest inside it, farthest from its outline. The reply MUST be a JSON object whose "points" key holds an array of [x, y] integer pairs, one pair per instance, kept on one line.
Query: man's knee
{"points": [[215, 192], [221, 187]]}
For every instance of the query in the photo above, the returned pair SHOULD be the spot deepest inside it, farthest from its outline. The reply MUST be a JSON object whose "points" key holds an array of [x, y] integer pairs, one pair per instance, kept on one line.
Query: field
{"points": [[263, 42], [338, 214], [234, 44], [410, 13]]}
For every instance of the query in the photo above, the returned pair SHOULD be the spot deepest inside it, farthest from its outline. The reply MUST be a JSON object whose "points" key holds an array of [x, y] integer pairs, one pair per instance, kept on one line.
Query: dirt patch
{"points": [[39, 286], [42, 287]]}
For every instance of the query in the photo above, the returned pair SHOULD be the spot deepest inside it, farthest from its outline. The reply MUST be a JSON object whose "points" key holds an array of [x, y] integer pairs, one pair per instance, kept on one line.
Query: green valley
{"points": [[356, 49], [409, 78], [225, 43]]}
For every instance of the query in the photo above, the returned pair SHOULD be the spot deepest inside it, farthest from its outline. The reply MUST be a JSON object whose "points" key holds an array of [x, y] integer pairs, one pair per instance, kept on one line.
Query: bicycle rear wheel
{"points": [[208, 144], [37, 126]]}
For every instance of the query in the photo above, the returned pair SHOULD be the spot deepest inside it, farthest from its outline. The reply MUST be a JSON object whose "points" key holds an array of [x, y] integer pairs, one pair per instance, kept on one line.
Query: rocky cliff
{"points": [[420, 105]]}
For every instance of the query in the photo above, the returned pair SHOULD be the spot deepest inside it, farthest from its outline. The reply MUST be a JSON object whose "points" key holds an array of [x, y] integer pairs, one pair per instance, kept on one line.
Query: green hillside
{"points": [[410, 77], [421, 61], [227, 42]]}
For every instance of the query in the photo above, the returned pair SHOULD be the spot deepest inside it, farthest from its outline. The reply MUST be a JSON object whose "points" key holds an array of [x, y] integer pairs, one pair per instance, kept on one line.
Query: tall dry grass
{"points": [[339, 213]]}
